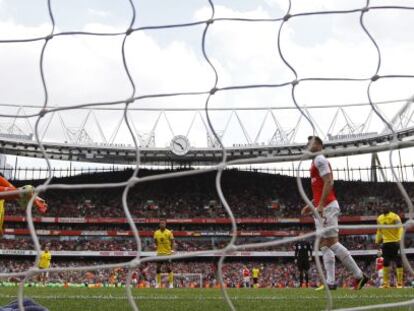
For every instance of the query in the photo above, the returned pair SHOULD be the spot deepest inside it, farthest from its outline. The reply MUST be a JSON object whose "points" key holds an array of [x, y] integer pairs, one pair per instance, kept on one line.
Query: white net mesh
{"points": [[294, 85]]}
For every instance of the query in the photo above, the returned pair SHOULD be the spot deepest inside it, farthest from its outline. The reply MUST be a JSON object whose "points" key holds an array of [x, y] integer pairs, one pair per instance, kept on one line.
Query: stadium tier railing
{"points": [[249, 220], [207, 233], [117, 254]]}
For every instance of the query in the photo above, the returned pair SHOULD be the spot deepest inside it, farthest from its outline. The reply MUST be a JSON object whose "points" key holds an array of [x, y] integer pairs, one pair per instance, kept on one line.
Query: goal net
{"points": [[219, 85]]}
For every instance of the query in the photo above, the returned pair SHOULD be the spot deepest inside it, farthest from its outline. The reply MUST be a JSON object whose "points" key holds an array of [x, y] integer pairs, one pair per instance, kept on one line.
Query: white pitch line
{"points": [[193, 298]]}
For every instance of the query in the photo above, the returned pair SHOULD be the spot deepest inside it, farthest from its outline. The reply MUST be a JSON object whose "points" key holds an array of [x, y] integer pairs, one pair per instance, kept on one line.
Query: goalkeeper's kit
{"points": [[29, 305], [22, 197]]}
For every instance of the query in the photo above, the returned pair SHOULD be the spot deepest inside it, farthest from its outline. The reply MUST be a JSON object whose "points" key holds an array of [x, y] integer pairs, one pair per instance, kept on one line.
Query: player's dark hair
{"points": [[385, 210], [316, 138], [163, 219]]}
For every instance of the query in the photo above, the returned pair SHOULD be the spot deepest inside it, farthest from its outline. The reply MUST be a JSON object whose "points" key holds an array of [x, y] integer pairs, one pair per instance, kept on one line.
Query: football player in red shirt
{"points": [[326, 204]]}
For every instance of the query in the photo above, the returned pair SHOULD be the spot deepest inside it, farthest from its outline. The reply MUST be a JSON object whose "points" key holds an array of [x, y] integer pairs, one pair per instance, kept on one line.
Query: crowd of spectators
{"points": [[249, 194], [182, 245], [174, 227]]}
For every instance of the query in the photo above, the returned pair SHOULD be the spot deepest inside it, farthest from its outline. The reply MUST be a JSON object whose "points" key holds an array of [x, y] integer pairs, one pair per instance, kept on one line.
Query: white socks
{"points": [[345, 257], [329, 264]]}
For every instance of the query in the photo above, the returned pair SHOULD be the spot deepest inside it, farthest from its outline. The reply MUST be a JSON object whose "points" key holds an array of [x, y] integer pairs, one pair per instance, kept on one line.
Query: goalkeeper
{"points": [[23, 198], [29, 305]]}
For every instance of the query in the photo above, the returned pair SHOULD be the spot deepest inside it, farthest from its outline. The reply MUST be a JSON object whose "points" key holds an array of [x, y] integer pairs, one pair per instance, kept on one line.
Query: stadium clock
{"points": [[180, 145]]}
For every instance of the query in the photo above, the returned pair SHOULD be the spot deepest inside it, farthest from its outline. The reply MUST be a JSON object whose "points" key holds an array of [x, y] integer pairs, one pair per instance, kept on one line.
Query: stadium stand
{"points": [[91, 223]]}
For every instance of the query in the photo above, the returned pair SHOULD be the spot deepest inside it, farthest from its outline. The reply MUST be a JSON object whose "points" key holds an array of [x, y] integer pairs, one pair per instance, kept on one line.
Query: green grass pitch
{"points": [[112, 299]]}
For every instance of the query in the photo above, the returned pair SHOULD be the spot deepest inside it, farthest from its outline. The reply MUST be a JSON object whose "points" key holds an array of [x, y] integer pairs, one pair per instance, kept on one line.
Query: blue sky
{"points": [[75, 14]]}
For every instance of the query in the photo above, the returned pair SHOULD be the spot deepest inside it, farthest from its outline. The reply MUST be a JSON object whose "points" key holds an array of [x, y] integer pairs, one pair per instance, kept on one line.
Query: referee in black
{"points": [[303, 256]]}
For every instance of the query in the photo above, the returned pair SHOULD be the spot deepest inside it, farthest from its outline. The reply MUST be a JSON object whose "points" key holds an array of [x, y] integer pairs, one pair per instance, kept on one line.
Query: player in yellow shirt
{"points": [[164, 244], [255, 274], [44, 263], [1, 216], [390, 239]]}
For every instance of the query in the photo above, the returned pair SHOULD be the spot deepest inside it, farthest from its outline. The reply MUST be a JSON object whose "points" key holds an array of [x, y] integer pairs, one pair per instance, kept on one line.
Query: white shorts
{"points": [[330, 218], [381, 273], [45, 274], [246, 279]]}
